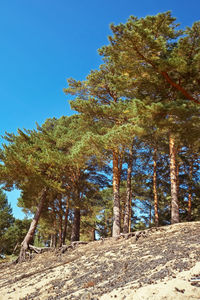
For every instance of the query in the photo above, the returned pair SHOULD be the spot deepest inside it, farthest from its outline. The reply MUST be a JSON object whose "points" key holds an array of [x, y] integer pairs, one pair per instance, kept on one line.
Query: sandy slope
{"points": [[159, 265], [175, 289]]}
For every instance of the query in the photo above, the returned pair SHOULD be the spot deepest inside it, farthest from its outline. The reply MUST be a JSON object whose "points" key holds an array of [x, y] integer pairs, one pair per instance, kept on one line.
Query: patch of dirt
{"points": [[159, 264]]}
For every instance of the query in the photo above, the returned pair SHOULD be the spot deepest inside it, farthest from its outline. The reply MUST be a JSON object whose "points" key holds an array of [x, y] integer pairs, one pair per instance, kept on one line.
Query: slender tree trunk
{"points": [[122, 203], [92, 234], [190, 191], [60, 221], [155, 192], [120, 164], [54, 235], [128, 193], [122, 211], [60, 230], [75, 236], [30, 234], [177, 178], [130, 213], [174, 196], [150, 217], [105, 225], [53, 240], [55, 225], [116, 198], [65, 222], [189, 205]]}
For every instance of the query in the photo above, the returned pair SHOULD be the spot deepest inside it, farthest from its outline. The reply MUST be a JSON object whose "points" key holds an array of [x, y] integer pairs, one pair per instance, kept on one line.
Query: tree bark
{"points": [[116, 198], [53, 240], [65, 222], [190, 191], [60, 221], [128, 193], [173, 169], [92, 234], [155, 192], [75, 236], [177, 178], [189, 206], [60, 230], [150, 217], [130, 213], [30, 234]]}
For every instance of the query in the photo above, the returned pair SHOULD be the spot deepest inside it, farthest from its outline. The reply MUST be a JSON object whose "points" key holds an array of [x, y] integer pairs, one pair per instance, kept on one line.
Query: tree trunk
{"points": [[128, 193], [92, 234], [75, 236], [177, 178], [60, 221], [155, 192], [150, 217], [60, 230], [30, 234], [53, 240], [65, 222], [190, 191], [189, 205], [116, 198], [130, 213], [173, 169]]}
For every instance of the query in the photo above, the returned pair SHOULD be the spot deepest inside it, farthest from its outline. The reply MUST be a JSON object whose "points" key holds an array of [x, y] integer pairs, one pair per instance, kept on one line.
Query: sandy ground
{"points": [[158, 265], [175, 289]]}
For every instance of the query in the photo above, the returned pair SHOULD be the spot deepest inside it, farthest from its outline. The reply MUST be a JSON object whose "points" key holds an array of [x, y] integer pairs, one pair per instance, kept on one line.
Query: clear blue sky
{"points": [[44, 42]]}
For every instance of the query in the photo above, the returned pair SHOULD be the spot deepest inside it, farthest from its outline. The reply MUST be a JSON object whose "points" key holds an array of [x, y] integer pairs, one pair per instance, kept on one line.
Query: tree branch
{"points": [[179, 87], [167, 78]]}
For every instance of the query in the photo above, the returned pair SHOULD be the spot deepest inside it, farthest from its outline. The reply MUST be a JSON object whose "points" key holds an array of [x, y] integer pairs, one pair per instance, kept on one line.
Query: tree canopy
{"points": [[129, 157]]}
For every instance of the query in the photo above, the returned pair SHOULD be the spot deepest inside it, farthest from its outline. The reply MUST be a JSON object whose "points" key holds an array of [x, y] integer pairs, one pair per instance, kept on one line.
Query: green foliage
{"points": [[105, 215], [14, 236], [146, 89], [6, 220]]}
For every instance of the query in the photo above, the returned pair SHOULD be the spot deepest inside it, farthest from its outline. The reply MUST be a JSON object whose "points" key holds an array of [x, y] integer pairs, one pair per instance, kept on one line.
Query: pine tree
{"points": [[34, 165], [6, 220], [152, 53], [99, 101]]}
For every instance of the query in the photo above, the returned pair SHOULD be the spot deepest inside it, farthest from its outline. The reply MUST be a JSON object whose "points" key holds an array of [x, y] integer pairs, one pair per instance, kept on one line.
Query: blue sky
{"points": [[44, 42]]}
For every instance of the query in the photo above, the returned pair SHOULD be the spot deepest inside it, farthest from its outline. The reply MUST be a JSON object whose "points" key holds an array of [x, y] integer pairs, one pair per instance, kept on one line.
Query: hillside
{"points": [[157, 264]]}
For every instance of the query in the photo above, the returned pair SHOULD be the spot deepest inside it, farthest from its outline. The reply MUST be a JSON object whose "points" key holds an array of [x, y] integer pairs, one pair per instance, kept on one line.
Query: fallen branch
{"points": [[39, 250], [73, 245], [127, 235]]}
